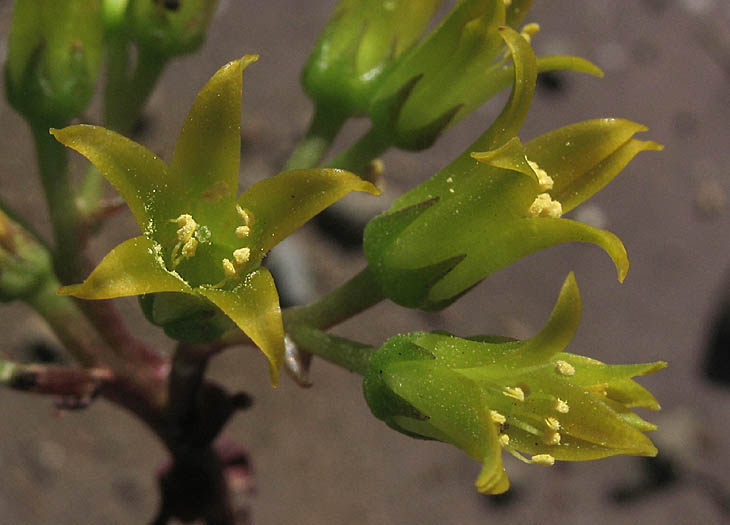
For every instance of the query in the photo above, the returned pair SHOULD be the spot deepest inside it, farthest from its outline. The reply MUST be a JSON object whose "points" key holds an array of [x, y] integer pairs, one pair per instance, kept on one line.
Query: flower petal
{"points": [[510, 241], [582, 158], [283, 203], [458, 412], [134, 267], [254, 307], [207, 154], [140, 176]]}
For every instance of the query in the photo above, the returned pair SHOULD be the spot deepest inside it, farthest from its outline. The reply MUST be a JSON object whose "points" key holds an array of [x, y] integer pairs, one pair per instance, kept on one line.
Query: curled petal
{"points": [[582, 158]]}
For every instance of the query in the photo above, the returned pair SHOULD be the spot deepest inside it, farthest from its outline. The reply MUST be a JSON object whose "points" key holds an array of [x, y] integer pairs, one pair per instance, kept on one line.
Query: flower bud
{"points": [[24, 263], [170, 28], [486, 394], [54, 55], [357, 48]]}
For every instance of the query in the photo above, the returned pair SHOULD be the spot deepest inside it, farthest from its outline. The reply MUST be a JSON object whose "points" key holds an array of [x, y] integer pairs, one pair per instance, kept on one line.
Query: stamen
{"points": [[552, 423], [551, 437], [561, 406], [497, 417], [544, 180], [241, 256], [543, 459], [187, 226], [564, 368], [545, 206], [228, 269], [514, 392], [242, 232], [189, 248], [530, 30], [245, 216], [504, 440]]}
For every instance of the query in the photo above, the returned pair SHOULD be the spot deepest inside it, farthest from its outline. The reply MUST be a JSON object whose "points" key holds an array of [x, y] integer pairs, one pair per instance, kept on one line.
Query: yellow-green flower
{"points": [[198, 237], [489, 394], [499, 201]]}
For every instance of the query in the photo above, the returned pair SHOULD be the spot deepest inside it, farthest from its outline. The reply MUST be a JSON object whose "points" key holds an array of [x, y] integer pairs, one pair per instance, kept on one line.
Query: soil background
{"points": [[318, 454]]}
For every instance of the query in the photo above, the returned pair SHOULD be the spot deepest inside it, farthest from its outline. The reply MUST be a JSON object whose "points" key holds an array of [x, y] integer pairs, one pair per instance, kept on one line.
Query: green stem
{"points": [[68, 323], [357, 157], [358, 294], [125, 96], [351, 355], [310, 151], [53, 164]]}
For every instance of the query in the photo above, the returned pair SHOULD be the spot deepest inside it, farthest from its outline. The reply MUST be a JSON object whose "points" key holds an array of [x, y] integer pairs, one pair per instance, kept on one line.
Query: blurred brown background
{"points": [[319, 456]]}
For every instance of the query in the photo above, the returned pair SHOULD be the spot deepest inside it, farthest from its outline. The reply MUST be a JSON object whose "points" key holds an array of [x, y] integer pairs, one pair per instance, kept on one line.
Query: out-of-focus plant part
{"points": [[198, 238], [486, 210], [54, 56], [24, 263], [168, 28], [358, 46], [451, 73], [486, 394]]}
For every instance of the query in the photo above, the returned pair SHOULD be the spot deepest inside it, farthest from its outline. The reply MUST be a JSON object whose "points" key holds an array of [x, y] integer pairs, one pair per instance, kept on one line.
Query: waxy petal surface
{"points": [[134, 267], [254, 307]]}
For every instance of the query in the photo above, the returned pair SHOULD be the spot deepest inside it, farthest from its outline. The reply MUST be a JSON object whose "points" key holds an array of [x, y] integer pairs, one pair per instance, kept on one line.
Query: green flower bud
{"points": [[170, 28], [24, 263], [487, 394], [358, 46], [54, 55]]}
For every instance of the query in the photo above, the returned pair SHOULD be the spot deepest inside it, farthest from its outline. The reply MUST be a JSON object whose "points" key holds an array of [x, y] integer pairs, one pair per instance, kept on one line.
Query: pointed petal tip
{"points": [[70, 290]]}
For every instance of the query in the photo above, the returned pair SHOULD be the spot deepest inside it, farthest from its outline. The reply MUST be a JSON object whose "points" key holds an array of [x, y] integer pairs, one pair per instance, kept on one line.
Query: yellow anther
{"points": [[544, 180], [514, 392], [552, 423], [529, 30], [245, 216], [543, 459], [497, 417], [189, 248], [187, 227], [545, 206], [241, 256], [551, 437], [561, 406], [504, 440], [242, 232], [564, 368], [228, 269]]}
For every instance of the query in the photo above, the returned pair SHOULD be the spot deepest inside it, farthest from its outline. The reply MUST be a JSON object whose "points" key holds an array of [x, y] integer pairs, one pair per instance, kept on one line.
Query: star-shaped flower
{"points": [[197, 237], [487, 394]]}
